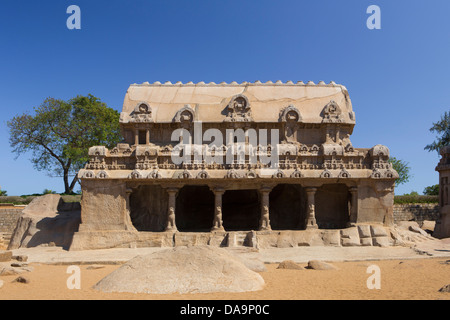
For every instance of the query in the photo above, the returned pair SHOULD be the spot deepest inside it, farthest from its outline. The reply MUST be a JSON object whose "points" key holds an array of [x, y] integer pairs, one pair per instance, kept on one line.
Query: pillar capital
{"points": [[265, 189], [311, 189], [171, 190], [217, 190], [353, 189]]}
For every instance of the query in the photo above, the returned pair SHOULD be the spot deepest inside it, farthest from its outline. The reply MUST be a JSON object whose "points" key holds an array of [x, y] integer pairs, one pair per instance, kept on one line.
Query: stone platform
{"points": [[426, 249], [361, 235]]}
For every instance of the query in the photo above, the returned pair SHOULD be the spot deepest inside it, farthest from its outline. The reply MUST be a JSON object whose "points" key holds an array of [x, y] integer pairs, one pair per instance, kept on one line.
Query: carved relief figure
{"points": [[265, 222], [239, 110], [217, 222], [171, 226]]}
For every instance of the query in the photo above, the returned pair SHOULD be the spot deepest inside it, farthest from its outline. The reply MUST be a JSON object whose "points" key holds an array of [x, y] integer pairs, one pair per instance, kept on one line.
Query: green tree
{"points": [[442, 129], [402, 169], [60, 133], [48, 191], [431, 190], [3, 192]]}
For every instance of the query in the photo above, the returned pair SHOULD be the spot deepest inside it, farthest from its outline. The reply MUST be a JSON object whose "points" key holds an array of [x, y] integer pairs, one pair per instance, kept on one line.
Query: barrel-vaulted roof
{"points": [[265, 102]]}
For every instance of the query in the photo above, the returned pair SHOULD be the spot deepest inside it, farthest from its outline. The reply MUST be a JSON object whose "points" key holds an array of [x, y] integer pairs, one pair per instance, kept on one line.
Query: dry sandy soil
{"points": [[400, 280]]}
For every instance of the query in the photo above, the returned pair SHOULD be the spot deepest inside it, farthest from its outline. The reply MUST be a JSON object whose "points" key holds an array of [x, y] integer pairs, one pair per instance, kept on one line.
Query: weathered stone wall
{"points": [[416, 211], [8, 219]]}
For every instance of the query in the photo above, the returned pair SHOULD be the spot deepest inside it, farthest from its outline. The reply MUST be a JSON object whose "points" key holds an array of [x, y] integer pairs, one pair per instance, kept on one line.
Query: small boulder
{"points": [[94, 267], [9, 271], [445, 288], [20, 258], [21, 279], [289, 264], [320, 265], [417, 229], [19, 264]]}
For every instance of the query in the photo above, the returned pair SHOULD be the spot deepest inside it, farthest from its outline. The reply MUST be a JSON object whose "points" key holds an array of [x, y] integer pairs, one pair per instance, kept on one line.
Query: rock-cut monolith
{"points": [[199, 269]]}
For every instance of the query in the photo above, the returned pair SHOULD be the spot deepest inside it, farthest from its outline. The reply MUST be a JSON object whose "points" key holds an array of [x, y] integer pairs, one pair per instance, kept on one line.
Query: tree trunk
{"points": [[73, 183], [67, 189]]}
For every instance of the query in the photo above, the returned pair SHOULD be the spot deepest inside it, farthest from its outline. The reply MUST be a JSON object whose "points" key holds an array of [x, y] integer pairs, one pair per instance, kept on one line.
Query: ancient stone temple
{"points": [[442, 229], [253, 164]]}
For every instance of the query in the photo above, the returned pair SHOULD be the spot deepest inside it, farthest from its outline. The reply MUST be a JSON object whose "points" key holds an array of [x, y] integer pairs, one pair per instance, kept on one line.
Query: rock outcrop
{"points": [[198, 269], [47, 220]]}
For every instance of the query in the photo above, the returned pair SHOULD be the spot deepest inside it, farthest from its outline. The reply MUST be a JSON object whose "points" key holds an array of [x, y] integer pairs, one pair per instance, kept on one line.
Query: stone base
{"points": [[442, 228], [360, 235]]}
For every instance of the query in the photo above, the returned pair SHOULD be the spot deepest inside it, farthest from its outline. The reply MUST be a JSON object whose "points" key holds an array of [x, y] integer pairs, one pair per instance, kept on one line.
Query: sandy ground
{"points": [[400, 280]]}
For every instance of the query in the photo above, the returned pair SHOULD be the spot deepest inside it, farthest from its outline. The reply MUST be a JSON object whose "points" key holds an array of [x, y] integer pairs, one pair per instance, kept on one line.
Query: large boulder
{"points": [[47, 220], [197, 269]]}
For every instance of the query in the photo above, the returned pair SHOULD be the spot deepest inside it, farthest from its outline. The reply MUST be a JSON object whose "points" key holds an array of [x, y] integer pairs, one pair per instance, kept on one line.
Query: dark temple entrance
{"points": [[332, 206], [287, 207], [194, 209], [241, 210], [148, 208]]}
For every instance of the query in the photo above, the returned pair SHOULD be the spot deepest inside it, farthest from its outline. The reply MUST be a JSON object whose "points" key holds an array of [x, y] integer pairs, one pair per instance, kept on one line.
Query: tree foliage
{"points": [[431, 190], [402, 169], [442, 129], [60, 133]]}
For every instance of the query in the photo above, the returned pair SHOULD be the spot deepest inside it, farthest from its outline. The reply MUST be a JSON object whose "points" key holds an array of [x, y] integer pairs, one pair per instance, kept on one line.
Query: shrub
{"points": [[415, 199]]}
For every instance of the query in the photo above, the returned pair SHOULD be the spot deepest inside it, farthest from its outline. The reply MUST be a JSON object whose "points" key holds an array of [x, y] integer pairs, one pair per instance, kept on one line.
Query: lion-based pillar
{"points": [[171, 225], [311, 213], [218, 222], [264, 222]]}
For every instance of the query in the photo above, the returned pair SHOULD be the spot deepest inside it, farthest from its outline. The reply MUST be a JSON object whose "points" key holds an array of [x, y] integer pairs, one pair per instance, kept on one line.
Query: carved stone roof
{"points": [[211, 102]]}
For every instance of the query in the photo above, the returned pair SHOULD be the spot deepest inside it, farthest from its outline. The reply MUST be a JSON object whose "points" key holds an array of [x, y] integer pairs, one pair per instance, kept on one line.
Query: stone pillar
{"points": [[264, 222], [127, 218], [136, 136], [171, 226], [353, 206], [217, 222], [311, 213], [147, 137]]}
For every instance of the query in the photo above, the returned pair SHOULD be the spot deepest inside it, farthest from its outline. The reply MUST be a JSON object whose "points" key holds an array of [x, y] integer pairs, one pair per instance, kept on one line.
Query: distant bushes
{"points": [[26, 199], [16, 199], [415, 198]]}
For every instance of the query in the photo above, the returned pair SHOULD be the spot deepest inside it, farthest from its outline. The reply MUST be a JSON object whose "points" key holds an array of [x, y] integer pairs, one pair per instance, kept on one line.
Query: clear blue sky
{"points": [[397, 77]]}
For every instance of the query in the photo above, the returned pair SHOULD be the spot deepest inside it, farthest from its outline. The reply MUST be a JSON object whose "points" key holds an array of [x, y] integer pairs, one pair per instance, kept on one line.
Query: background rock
{"points": [[45, 222], [320, 265], [445, 288], [289, 264]]}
